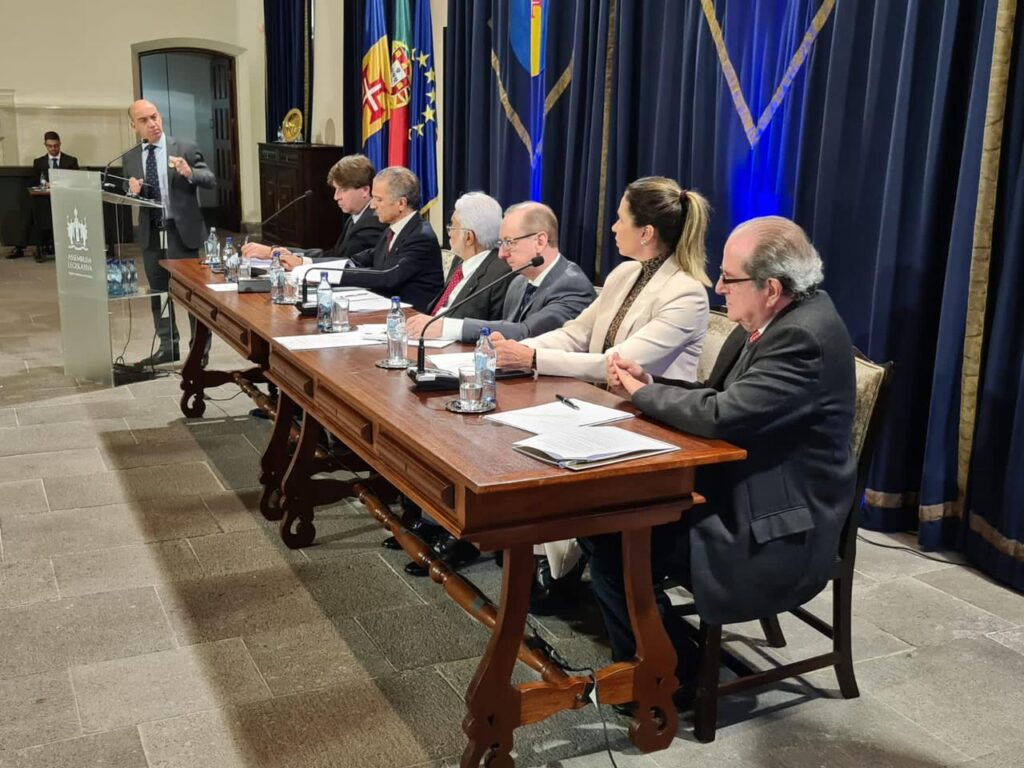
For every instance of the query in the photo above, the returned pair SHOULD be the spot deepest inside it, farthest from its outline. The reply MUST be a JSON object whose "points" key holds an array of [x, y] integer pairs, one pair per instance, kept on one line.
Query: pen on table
{"points": [[567, 401]]}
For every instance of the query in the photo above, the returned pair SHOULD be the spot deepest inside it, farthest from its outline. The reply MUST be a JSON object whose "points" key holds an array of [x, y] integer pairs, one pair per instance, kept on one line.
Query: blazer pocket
{"points": [[784, 522]]}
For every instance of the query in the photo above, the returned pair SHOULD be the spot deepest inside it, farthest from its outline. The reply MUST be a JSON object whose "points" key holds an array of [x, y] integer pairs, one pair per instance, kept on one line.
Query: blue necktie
{"points": [[53, 162], [153, 182], [524, 305]]}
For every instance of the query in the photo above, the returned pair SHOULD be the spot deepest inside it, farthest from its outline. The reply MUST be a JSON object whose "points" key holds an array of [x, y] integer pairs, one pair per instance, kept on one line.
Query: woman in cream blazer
{"points": [[652, 308]]}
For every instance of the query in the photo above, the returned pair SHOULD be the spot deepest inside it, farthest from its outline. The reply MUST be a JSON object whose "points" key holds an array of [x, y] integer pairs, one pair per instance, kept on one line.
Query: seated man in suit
{"points": [[406, 260], [351, 177], [783, 388], [53, 158], [473, 232], [539, 299]]}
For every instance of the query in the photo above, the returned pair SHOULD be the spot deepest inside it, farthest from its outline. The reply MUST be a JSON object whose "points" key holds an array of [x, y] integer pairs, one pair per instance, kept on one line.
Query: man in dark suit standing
{"points": [[406, 260], [352, 178], [783, 387], [169, 171], [53, 158], [473, 233], [538, 299]]}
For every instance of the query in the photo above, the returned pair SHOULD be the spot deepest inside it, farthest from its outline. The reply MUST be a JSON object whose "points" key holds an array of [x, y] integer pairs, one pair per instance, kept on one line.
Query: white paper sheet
{"points": [[302, 271], [223, 287], [557, 416], [587, 444], [324, 340]]}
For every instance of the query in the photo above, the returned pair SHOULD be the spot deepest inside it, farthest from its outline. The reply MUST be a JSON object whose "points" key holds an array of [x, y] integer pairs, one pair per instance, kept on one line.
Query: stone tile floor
{"points": [[150, 617]]}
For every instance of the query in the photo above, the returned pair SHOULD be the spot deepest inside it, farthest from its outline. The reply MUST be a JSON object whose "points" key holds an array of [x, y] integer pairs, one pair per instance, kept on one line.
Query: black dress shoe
{"points": [[17, 253], [159, 357], [455, 552], [625, 709], [429, 532], [415, 569], [259, 413], [549, 595]]}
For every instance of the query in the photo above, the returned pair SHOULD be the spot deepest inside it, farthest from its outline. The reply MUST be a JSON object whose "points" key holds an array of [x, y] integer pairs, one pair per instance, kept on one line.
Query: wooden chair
{"points": [[719, 328], [872, 387]]}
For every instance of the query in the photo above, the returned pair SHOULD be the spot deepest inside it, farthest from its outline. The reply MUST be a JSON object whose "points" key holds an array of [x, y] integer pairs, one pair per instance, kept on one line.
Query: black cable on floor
{"points": [[911, 550]]}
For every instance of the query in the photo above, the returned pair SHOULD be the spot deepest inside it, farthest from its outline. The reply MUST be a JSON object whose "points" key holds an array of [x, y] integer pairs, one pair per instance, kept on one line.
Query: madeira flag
{"points": [[376, 83]]}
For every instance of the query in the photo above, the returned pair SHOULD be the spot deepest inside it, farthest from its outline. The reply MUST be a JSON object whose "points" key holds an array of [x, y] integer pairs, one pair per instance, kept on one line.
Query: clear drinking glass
{"points": [[471, 389], [291, 289], [339, 316]]}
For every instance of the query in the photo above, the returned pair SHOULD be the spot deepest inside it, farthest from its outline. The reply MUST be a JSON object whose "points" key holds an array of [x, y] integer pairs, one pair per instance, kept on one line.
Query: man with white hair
{"points": [[783, 387], [473, 234]]}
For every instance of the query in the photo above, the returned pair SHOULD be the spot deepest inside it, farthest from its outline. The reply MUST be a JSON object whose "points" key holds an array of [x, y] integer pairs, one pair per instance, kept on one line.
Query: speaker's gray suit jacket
{"points": [[182, 194]]}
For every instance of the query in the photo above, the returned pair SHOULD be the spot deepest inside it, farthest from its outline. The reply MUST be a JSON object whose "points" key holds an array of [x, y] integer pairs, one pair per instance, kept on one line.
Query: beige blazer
{"points": [[663, 331]]}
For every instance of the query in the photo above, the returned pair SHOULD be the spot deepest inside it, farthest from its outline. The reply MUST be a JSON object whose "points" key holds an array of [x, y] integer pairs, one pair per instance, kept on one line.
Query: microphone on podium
{"points": [[440, 380]]}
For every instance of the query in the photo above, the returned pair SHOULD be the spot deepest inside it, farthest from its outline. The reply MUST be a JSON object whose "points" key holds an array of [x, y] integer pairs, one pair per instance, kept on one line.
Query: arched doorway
{"points": [[194, 89]]}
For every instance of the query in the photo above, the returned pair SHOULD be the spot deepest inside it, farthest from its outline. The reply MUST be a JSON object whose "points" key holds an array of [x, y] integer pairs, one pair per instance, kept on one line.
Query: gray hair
{"points": [[783, 251], [402, 183], [482, 214]]}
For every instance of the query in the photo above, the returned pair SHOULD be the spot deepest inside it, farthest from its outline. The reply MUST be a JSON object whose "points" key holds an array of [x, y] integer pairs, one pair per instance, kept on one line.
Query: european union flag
{"points": [[423, 114], [376, 83]]}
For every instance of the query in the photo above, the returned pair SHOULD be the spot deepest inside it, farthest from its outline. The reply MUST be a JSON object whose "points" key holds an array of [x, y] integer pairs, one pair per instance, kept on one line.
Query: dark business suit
{"points": [[42, 165], [487, 305], [565, 292], [354, 238], [413, 265], [183, 221], [768, 535]]}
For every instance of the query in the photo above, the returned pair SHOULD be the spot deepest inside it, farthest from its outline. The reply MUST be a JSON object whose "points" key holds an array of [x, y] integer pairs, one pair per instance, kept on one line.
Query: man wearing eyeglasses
{"points": [[783, 387], [473, 232], [539, 299]]}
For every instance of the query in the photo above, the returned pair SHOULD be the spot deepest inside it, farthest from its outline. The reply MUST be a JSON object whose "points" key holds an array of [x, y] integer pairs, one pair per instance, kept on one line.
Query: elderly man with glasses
{"points": [[538, 299]]}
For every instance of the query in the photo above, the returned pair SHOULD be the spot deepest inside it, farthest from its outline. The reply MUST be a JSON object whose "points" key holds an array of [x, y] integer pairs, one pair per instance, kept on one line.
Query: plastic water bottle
{"points": [[126, 277], [276, 275], [212, 249], [485, 358], [324, 297], [133, 274], [115, 280], [231, 261], [398, 336]]}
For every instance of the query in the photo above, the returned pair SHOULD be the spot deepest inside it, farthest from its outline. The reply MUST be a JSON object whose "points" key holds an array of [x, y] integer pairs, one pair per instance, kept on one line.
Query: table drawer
{"points": [[297, 381], [347, 423], [426, 479]]}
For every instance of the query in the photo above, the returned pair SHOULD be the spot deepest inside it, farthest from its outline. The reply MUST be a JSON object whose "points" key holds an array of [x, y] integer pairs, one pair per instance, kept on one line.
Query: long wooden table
{"points": [[463, 472]]}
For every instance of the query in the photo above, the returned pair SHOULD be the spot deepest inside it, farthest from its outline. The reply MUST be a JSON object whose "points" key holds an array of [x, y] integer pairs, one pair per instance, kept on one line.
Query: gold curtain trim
{"points": [[602, 179], [890, 500], [929, 513], [983, 528], [510, 112], [981, 251], [559, 87], [307, 96], [752, 131]]}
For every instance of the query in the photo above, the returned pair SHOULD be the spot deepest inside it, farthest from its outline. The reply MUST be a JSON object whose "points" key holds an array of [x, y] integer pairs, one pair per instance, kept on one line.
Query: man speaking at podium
{"points": [[168, 171]]}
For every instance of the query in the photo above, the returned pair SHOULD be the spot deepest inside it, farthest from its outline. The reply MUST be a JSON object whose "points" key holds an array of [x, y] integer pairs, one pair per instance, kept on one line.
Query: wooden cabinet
{"points": [[288, 170]]}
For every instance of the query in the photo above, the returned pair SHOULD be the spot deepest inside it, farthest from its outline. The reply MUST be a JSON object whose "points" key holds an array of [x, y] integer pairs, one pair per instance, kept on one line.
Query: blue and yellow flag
{"points": [[423, 113], [376, 83]]}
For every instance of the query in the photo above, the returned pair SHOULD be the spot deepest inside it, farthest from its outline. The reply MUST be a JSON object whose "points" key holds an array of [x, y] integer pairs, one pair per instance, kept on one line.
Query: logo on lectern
{"points": [[78, 232]]}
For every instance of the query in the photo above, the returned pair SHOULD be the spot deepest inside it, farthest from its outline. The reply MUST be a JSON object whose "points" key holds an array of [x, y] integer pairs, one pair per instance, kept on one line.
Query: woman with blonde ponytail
{"points": [[653, 308]]}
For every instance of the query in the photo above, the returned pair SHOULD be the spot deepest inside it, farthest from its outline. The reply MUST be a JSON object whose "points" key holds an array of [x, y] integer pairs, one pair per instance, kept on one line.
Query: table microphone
{"points": [[308, 310], [282, 209], [436, 380]]}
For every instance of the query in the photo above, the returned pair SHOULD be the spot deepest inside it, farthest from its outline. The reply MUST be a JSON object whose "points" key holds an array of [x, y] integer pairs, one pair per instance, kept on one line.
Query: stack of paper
{"points": [[557, 416], [324, 340], [585, 447]]}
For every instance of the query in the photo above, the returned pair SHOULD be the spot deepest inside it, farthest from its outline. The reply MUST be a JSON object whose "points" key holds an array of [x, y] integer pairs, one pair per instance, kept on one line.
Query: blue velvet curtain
{"points": [[288, 30], [872, 140]]}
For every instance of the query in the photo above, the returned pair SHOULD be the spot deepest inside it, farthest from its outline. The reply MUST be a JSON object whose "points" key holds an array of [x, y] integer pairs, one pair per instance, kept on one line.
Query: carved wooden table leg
{"points": [[275, 459], [492, 702], [192, 403], [297, 496], [655, 720]]}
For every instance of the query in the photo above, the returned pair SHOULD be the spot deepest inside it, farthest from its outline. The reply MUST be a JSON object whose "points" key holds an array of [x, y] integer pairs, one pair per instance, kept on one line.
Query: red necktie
{"points": [[754, 337], [455, 280], [390, 235]]}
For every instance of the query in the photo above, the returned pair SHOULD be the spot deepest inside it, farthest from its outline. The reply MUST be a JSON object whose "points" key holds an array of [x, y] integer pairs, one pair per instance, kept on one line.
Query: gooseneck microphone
{"points": [[106, 168], [302, 305], [419, 374]]}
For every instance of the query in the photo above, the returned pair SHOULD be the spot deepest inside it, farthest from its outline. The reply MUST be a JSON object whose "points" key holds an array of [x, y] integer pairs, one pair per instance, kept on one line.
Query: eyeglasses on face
{"points": [[510, 242], [449, 229], [730, 280]]}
